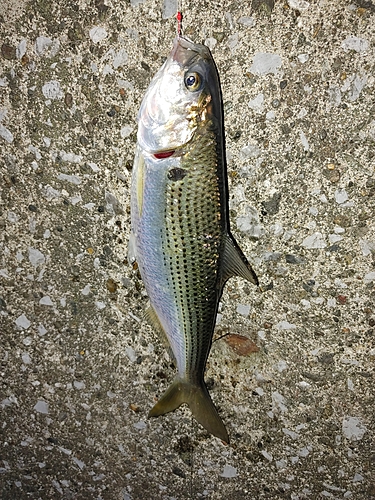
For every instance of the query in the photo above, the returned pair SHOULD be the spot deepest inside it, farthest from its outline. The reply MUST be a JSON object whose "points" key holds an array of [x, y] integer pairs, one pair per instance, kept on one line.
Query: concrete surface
{"points": [[80, 369]]}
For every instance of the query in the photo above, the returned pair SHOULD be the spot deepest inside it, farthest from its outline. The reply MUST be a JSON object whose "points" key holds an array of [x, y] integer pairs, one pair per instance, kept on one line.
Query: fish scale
{"points": [[193, 237], [180, 228]]}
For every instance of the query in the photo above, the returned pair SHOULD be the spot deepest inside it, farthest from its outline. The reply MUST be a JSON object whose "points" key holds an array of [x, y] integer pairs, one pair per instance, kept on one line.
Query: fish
{"points": [[180, 228]]}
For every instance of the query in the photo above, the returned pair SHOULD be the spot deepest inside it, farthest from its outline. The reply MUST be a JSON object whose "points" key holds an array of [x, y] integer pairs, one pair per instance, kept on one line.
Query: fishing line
{"points": [[191, 460], [179, 34], [179, 18], [179, 23]]}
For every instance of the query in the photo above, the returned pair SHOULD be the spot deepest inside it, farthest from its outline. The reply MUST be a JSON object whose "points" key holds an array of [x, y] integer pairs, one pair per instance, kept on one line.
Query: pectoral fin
{"points": [[199, 401], [234, 263]]}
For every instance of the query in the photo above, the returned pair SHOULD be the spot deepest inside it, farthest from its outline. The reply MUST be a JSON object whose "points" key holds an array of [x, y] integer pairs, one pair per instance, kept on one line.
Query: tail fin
{"points": [[199, 401]]}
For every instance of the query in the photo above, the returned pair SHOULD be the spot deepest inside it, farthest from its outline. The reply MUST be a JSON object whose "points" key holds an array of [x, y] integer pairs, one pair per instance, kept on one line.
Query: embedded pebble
{"points": [[251, 151], [21, 48], [169, 8], [367, 247], [257, 103], [233, 41], [315, 240], [86, 290], [46, 301], [113, 205], [357, 478], [341, 196], [42, 330], [369, 277], [334, 95], [265, 63], [354, 84], [79, 463], [36, 257], [250, 224], [73, 179], [140, 425], [70, 157], [291, 434], [267, 455], [304, 141], [42, 407], [229, 471], [243, 309], [120, 59], [131, 354], [52, 90], [50, 193], [6, 134], [303, 58], [125, 131], [278, 402], [334, 238], [285, 325], [210, 42], [12, 217], [353, 428], [300, 5], [26, 358], [41, 44], [246, 21], [355, 43], [98, 33]]}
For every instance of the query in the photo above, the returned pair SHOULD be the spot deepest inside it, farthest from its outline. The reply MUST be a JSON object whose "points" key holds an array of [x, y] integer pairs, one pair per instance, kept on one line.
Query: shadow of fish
{"points": [[180, 224]]}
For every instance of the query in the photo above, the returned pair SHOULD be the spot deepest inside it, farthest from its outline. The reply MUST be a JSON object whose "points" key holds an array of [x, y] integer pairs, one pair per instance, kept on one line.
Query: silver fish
{"points": [[180, 223]]}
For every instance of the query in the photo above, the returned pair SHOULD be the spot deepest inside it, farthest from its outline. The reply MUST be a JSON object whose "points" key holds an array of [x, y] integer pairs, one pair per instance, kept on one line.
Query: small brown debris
{"points": [[111, 285], [343, 221], [8, 52], [342, 299], [68, 100], [134, 407], [25, 60], [240, 344], [331, 173]]}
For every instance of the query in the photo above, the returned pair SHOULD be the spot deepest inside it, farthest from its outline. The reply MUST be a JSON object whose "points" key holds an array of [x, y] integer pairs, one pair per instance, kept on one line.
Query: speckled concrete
{"points": [[80, 369]]}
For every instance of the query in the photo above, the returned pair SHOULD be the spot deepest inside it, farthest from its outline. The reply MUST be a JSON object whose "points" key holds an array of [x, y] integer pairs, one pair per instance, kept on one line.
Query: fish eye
{"points": [[193, 81]]}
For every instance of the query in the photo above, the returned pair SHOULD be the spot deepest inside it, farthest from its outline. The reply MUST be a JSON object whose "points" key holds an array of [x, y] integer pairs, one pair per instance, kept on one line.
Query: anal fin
{"points": [[234, 262], [152, 318]]}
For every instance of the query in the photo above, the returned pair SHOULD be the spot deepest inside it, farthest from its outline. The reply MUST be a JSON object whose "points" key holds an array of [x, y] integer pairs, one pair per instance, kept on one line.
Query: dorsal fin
{"points": [[234, 263]]}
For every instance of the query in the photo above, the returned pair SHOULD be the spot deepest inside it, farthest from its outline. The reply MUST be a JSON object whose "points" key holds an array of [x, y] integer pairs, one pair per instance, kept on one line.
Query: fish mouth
{"points": [[184, 51]]}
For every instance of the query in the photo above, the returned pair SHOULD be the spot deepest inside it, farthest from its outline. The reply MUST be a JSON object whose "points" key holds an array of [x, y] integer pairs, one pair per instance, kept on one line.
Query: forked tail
{"points": [[199, 401]]}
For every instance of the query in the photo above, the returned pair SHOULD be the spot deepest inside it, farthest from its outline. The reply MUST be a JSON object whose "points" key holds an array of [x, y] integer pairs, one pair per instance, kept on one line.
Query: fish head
{"points": [[183, 94]]}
